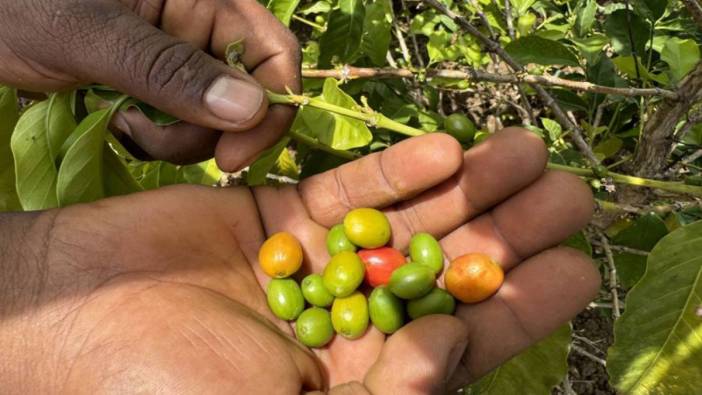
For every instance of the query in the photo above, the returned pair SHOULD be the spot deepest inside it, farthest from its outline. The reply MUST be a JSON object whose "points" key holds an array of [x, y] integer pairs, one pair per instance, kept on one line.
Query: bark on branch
{"points": [[695, 10], [656, 140], [350, 73]]}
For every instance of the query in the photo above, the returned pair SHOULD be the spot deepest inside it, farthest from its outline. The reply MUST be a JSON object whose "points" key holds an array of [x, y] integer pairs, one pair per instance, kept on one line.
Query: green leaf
{"points": [[265, 163], [658, 339], [643, 234], [569, 100], [283, 9], [203, 173], [117, 178], [9, 114], [535, 371], [630, 268], [608, 147], [625, 64], [554, 128], [285, 165], [591, 47], [579, 242], [80, 177], [34, 169], [439, 47], [158, 117], [539, 50], [616, 27], [59, 121], [342, 39], [602, 71], [334, 130], [585, 17], [653, 10], [376, 31], [681, 56], [319, 7], [521, 6]]}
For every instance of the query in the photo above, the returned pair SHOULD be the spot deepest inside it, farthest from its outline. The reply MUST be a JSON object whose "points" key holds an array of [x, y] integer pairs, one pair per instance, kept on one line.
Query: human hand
{"points": [[161, 292], [164, 52]]}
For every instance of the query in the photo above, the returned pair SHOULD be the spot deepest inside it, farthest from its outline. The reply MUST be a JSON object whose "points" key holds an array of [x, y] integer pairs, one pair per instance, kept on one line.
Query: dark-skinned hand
{"points": [[160, 292], [167, 53]]}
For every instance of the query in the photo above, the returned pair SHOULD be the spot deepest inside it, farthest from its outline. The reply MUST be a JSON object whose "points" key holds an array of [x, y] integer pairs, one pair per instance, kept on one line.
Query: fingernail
{"points": [[234, 100], [455, 357]]}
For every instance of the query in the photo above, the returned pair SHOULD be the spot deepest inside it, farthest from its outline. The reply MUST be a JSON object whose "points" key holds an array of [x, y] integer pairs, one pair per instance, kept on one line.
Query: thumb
{"points": [[137, 58], [419, 358]]}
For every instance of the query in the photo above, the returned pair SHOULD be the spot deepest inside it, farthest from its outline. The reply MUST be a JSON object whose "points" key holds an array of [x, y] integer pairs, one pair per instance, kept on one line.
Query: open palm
{"points": [[161, 291]]}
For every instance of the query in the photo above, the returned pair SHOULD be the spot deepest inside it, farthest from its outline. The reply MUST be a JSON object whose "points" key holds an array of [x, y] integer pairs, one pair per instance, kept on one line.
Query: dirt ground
{"points": [[592, 330]]}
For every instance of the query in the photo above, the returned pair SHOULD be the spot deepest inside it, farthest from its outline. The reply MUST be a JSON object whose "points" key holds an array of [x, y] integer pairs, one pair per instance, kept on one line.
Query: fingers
{"points": [[139, 59], [537, 297], [381, 179], [237, 150], [271, 55], [540, 216], [419, 358], [352, 388], [492, 171], [180, 143]]}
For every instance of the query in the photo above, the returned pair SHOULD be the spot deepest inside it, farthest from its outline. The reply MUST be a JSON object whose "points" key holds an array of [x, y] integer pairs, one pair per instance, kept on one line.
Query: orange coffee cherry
{"points": [[281, 255], [472, 278]]}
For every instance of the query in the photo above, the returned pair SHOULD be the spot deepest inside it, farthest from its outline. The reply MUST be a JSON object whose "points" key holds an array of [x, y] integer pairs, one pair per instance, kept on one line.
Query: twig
{"points": [[549, 101], [483, 18], [683, 162], [612, 276], [567, 387], [670, 186], [631, 41], [695, 10], [592, 343], [508, 17], [588, 355], [413, 37], [619, 248], [403, 45], [309, 23], [350, 72]]}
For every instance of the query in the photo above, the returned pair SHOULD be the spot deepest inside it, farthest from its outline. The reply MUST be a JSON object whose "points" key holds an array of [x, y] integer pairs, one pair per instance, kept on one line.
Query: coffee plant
{"points": [[612, 87]]}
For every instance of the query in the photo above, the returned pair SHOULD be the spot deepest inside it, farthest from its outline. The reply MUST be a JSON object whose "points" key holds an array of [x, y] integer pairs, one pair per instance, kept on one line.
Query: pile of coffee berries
{"points": [[399, 287]]}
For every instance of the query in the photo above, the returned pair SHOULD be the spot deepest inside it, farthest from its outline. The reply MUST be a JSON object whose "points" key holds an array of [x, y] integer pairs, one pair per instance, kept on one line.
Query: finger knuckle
{"points": [[171, 66]]}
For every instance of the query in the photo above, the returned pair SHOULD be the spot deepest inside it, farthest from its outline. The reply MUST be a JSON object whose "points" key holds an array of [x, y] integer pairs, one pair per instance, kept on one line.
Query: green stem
{"points": [[309, 141], [379, 120], [309, 23], [671, 186], [373, 119]]}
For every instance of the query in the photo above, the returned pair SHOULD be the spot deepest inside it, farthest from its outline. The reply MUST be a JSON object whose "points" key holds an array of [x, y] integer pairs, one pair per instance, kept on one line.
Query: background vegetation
{"points": [[612, 88]]}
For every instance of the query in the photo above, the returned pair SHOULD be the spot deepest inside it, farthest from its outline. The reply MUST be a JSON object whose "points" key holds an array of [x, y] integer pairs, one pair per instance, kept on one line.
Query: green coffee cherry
{"points": [[350, 315], [386, 310], [343, 274], [411, 281], [424, 249], [437, 301], [285, 298], [337, 241], [315, 292], [314, 327], [367, 228]]}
